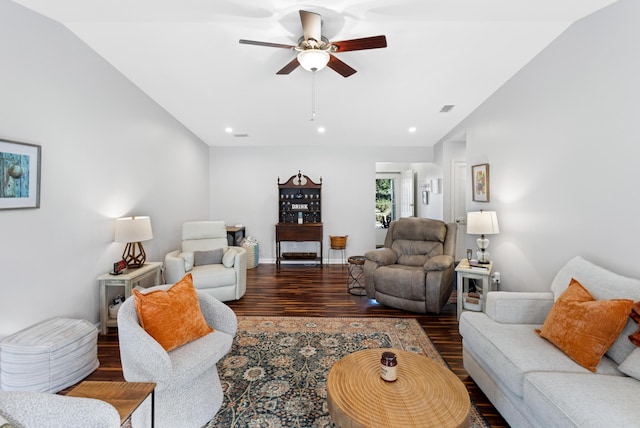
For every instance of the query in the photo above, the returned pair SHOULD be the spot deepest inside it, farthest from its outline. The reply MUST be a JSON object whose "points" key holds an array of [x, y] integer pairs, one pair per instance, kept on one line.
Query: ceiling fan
{"points": [[315, 51]]}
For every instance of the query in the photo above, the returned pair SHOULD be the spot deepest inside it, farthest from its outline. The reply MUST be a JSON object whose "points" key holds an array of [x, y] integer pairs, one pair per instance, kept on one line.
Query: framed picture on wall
{"points": [[480, 182], [19, 175]]}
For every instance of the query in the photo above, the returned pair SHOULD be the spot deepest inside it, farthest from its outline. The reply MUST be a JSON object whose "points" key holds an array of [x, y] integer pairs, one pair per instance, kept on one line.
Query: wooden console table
{"points": [[292, 232]]}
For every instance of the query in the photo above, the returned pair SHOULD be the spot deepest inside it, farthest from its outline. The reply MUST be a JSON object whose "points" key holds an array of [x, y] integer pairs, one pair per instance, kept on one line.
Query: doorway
{"points": [[387, 190], [418, 176], [459, 205]]}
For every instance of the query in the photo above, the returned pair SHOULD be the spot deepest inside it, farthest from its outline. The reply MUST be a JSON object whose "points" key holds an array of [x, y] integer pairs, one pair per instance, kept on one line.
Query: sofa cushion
{"points": [[173, 316], [582, 327], [211, 257], [603, 285], [582, 400], [510, 351]]}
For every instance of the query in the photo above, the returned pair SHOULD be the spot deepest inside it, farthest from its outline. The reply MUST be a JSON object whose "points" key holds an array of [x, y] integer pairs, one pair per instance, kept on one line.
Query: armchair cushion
{"points": [[211, 257], [415, 253], [172, 317]]}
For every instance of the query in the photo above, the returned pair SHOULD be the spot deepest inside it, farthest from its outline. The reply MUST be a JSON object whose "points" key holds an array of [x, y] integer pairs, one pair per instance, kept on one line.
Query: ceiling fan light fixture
{"points": [[313, 59]]}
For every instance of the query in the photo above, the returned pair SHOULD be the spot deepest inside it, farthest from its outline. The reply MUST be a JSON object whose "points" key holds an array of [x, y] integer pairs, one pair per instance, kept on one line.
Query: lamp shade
{"points": [[482, 223], [133, 229], [313, 59]]}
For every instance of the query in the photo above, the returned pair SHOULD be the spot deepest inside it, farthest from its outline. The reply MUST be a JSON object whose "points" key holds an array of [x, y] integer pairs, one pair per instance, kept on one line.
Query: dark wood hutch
{"points": [[299, 216]]}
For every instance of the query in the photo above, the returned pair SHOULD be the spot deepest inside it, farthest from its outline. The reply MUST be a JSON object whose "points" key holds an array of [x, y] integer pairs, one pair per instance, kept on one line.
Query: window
{"points": [[385, 202]]}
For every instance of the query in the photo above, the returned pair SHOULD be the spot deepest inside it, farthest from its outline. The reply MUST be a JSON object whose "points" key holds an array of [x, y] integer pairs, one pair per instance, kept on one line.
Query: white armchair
{"points": [[43, 409], [188, 390], [225, 280]]}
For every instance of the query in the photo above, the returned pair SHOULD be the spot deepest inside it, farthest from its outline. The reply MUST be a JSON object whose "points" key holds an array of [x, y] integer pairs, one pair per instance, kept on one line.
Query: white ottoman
{"points": [[48, 356]]}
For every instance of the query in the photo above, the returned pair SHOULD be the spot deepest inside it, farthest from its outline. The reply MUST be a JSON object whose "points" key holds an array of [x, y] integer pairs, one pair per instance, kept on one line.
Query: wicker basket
{"points": [[253, 252], [338, 242]]}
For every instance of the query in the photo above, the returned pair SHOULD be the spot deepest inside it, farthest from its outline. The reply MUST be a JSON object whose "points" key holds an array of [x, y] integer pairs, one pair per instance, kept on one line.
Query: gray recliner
{"points": [[415, 269]]}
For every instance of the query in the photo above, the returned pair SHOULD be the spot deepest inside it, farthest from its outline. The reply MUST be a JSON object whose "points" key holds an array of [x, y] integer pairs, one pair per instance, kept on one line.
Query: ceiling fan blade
{"points": [[361, 44], [289, 67], [269, 44], [311, 25], [340, 67]]}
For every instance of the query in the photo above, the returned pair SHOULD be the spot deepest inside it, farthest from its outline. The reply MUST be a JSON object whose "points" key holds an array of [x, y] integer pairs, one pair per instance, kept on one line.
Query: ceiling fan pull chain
{"points": [[313, 95]]}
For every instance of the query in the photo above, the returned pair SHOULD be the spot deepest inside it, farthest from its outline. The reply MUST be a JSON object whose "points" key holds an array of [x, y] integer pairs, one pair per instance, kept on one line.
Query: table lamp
{"points": [[482, 223], [132, 231]]}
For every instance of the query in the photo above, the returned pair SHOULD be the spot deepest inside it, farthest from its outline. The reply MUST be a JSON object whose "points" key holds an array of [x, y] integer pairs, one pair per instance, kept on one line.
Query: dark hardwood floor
{"points": [[296, 290]]}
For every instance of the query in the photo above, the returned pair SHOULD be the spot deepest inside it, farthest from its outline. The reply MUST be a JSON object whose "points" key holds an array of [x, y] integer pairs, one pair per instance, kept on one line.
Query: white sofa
{"points": [[534, 384], [224, 281]]}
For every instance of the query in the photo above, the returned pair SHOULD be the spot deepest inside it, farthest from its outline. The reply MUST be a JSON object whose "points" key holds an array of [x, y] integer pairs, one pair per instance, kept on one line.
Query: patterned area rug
{"points": [[275, 374]]}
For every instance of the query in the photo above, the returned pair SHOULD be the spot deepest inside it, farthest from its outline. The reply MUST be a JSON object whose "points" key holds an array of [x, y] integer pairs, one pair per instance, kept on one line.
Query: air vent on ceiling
{"points": [[447, 108], [240, 135]]}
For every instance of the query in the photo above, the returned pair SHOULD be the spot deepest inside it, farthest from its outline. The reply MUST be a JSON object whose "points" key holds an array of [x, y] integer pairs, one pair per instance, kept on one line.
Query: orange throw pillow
{"points": [[172, 317], [582, 327]]}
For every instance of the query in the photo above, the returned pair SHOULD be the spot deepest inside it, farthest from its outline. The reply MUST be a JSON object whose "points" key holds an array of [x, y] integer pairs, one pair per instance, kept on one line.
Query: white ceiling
{"points": [[185, 55]]}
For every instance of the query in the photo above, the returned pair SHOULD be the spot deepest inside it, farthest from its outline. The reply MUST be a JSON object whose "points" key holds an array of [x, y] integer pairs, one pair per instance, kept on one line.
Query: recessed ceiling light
{"points": [[228, 130], [321, 129], [412, 129]]}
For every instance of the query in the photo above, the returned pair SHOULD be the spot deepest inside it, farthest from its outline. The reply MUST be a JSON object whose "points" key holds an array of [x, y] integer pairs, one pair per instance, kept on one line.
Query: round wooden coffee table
{"points": [[426, 393]]}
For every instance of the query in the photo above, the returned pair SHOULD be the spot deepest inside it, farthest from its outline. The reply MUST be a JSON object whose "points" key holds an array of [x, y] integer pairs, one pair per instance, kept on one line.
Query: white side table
{"points": [[126, 280], [464, 271]]}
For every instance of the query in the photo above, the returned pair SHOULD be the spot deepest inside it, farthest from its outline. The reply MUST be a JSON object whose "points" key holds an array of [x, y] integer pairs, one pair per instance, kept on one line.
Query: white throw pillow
{"points": [[631, 365], [229, 257], [188, 260]]}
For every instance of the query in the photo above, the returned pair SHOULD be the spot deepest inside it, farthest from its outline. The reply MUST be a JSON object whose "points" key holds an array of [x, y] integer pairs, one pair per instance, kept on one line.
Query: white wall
{"points": [[561, 139], [446, 154], [107, 151], [244, 188]]}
